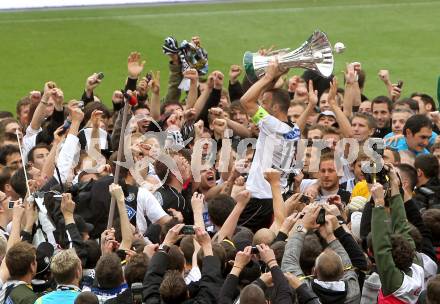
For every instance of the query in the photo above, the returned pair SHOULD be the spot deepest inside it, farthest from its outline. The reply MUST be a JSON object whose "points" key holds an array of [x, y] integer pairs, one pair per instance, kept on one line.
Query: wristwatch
{"points": [[300, 228], [164, 248]]}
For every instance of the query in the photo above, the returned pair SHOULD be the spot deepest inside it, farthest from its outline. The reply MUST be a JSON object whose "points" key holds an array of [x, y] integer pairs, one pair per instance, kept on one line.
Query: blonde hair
{"points": [[64, 265]]}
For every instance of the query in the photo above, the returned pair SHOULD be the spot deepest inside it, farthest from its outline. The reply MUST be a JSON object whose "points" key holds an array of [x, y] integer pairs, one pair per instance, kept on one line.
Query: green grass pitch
{"points": [[68, 45]]}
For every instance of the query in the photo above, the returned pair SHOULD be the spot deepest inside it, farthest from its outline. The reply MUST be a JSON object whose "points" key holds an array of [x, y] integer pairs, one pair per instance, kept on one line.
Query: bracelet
{"points": [[236, 267], [268, 262]]}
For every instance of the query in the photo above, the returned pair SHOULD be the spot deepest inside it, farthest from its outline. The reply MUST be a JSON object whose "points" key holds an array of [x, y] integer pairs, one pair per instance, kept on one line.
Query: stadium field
{"points": [[68, 45]]}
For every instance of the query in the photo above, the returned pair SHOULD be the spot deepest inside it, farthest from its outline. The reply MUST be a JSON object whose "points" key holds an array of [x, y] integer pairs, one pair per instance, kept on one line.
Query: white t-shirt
{"points": [[147, 205], [276, 147]]}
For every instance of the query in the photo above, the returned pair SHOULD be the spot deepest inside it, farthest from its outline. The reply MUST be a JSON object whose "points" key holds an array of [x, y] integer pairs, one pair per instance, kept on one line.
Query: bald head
{"points": [[329, 266], [263, 236], [252, 294]]}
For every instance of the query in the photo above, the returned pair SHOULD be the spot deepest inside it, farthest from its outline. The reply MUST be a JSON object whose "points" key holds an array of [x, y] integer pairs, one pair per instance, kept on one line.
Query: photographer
{"points": [[427, 168], [394, 250], [169, 287]]}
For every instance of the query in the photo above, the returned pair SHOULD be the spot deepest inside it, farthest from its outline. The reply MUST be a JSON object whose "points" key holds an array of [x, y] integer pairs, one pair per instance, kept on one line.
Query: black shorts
{"points": [[257, 214]]}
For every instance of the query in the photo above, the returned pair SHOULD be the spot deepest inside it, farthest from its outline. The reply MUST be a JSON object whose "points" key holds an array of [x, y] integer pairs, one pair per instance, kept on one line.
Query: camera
{"points": [[320, 220], [188, 230], [136, 292], [304, 199], [254, 250]]}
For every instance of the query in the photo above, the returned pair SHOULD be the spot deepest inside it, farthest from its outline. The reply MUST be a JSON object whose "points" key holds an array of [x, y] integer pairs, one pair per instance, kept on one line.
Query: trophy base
{"points": [[248, 64]]}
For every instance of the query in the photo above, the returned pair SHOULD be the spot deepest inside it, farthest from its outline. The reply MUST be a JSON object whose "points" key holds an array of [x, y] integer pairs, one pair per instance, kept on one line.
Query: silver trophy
{"points": [[315, 54]]}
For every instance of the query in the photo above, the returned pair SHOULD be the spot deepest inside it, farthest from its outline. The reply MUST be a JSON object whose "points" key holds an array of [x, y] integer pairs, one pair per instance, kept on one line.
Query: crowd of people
{"points": [[230, 192]]}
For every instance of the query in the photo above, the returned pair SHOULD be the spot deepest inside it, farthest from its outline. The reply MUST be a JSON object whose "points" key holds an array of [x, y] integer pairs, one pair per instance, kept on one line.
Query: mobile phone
{"points": [[100, 75], [66, 126], [11, 204], [121, 254], [254, 250], [320, 220], [149, 76], [188, 229], [400, 84], [304, 199]]}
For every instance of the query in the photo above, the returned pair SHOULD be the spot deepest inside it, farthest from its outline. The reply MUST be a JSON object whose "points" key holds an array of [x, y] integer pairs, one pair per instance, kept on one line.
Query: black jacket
{"points": [[210, 283]]}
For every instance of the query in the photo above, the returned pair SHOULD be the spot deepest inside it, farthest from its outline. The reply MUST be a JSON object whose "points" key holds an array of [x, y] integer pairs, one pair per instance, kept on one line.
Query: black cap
{"points": [[44, 255], [82, 225]]}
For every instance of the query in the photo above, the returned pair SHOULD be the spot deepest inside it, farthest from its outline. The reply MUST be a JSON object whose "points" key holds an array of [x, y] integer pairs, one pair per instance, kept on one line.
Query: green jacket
{"points": [[382, 226], [22, 294]]}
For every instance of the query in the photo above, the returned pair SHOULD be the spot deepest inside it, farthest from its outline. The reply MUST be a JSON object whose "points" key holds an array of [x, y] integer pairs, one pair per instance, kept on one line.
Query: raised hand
{"points": [[333, 92], [135, 65], [218, 80], [173, 235], [350, 74], [117, 97], [95, 118], [67, 205], [274, 70], [92, 82], [272, 176], [378, 194], [197, 201], [243, 197], [191, 74], [242, 258], [116, 192], [384, 75], [154, 83], [267, 255], [234, 73]]}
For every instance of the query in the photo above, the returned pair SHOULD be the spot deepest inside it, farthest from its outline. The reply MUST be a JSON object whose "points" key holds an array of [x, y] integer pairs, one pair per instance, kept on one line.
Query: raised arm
{"points": [[273, 177], [352, 93], [92, 82], [127, 235], [390, 276], [344, 123], [313, 101], [193, 76], [197, 202], [155, 96], [249, 100], [228, 228]]}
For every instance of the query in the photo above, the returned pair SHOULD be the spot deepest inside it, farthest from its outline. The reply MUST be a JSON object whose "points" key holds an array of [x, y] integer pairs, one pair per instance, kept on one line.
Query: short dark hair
{"points": [[95, 105], [22, 102], [7, 150], [176, 259], [312, 248], [19, 259], [109, 271], [219, 208], [382, 100], [187, 247], [173, 288], [169, 103], [427, 99], [86, 297], [5, 177], [416, 122], [93, 253], [431, 218], [402, 251], [428, 163], [411, 103], [136, 268], [410, 172], [433, 290], [30, 155], [395, 153], [368, 117], [18, 182], [6, 114], [281, 98]]}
